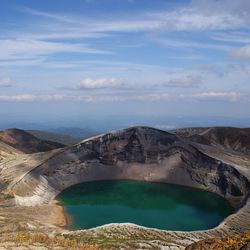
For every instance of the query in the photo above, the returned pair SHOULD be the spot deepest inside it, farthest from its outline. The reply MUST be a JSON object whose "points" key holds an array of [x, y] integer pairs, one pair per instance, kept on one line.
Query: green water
{"points": [[155, 205]]}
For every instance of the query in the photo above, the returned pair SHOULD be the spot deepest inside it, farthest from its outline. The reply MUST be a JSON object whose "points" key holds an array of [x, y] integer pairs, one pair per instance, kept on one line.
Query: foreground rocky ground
{"points": [[240, 241], [137, 153]]}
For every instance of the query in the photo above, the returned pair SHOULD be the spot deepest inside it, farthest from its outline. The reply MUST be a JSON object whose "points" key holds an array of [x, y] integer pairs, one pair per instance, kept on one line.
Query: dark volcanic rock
{"points": [[237, 139], [139, 153]]}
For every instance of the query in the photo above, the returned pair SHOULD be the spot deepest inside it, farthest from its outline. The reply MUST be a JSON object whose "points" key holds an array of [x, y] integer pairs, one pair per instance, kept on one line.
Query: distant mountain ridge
{"points": [[237, 139], [26, 142], [76, 132], [55, 137]]}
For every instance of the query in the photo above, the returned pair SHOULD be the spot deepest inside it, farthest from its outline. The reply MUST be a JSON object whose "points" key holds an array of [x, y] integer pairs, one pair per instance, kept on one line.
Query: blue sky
{"points": [[121, 57]]}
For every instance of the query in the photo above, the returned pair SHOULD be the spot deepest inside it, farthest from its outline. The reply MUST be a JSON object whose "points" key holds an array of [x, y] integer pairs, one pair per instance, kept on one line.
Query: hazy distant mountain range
{"points": [[64, 139], [83, 126]]}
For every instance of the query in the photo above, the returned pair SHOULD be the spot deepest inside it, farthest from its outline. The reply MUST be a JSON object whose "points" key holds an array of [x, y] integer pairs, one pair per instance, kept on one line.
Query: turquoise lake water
{"points": [[155, 205]]}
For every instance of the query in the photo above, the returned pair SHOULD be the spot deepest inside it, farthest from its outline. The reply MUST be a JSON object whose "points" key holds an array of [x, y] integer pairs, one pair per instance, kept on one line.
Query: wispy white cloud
{"points": [[30, 49], [230, 96], [101, 83], [199, 15], [124, 98], [241, 53], [39, 38], [192, 44], [61, 18], [216, 95], [231, 37], [195, 20], [185, 81], [185, 48], [5, 82], [31, 97]]}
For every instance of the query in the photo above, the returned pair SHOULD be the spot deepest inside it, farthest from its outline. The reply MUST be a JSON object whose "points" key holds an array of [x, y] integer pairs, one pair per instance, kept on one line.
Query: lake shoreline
{"points": [[172, 193], [59, 217]]}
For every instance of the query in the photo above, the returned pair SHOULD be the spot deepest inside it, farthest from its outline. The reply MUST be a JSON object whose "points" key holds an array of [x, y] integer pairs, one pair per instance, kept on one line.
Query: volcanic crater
{"points": [[139, 153]]}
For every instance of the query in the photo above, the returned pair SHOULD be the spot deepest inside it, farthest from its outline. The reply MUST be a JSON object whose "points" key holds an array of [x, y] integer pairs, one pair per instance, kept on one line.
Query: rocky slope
{"points": [[231, 138], [26, 142], [138, 153], [7, 151], [238, 242]]}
